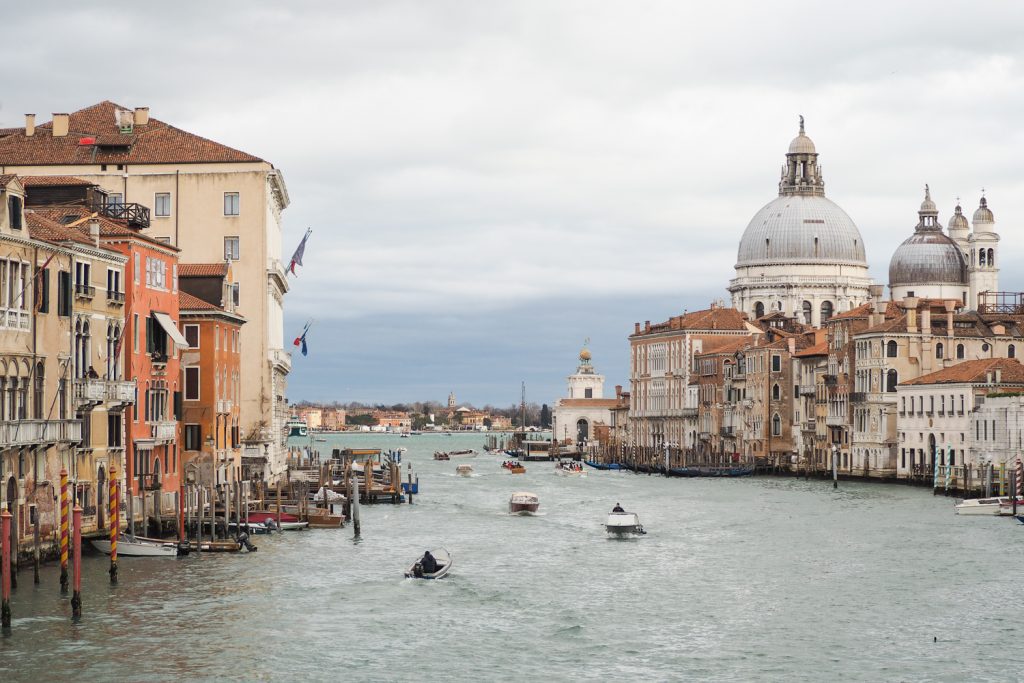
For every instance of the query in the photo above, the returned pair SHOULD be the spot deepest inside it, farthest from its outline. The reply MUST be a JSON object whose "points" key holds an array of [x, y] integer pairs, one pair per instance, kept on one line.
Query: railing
{"points": [[15, 319], [807, 390], [116, 298], [159, 357], [689, 412], [281, 358], [121, 391], [224, 406], [89, 390], [84, 291], [725, 431], [164, 430], [136, 215], [36, 432]]}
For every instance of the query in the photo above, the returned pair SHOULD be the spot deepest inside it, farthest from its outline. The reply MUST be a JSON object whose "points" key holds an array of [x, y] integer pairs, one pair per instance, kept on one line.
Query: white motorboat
{"points": [[444, 565], [986, 506], [464, 470], [138, 547], [570, 468], [523, 503], [624, 524], [332, 496]]}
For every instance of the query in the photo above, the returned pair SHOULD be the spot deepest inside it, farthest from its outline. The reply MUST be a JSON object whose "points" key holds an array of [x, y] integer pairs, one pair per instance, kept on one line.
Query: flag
{"points": [[299, 251], [301, 339], [39, 294]]}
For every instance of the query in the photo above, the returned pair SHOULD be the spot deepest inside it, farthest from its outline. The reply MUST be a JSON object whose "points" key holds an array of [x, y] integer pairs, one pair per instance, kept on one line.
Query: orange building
{"points": [[211, 373]]}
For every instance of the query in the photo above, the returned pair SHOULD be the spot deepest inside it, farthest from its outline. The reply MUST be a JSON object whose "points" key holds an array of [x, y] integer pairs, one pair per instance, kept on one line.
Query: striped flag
{"points": [[299, 251], [301, 339]]}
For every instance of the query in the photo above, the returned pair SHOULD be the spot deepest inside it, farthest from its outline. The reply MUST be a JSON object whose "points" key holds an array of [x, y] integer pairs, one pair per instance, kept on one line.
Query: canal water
{"points": [[759, 578]]}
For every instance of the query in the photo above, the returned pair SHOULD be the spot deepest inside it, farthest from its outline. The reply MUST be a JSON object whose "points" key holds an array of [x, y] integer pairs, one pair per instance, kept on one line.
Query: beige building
{"points": [[576, 418], [211, 201]]}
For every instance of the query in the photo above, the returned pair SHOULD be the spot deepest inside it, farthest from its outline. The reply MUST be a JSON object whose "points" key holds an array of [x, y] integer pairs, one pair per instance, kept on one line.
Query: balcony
{"points": [[807, 390], [115, 298], [810, 426], [726, 431], [689, 412], [831, 380], [224, 407], [704, 436], [858, 397], [15, 319], [281, 360], [122, 392], [835, 421], [83, 291], [158, 357], [89, 391], [276, 272], [164, 430], [39, 432], [136, 215]]}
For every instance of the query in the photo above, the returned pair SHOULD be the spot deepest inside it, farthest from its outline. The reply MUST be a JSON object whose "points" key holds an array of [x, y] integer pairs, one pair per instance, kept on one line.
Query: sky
{"points": [[491, 184]]}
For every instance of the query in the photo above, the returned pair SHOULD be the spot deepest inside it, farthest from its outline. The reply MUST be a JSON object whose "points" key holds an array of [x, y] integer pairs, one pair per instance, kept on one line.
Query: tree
{"points": [[545, 417], [366, 420]]}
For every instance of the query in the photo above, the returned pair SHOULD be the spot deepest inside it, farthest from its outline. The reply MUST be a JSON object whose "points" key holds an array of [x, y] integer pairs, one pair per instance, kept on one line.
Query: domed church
{"points": [[801, 254]]}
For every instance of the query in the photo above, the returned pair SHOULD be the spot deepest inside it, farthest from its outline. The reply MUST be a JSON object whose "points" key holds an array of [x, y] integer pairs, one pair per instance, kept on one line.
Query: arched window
{"points": [[939, 349], [776, 392], [981, 257], [991, 257], [890, 349], [1011, 351], [776, 425], [891, 381], [758, 310], [960, 351], [826, 310], [808, 311], [582, 431]]}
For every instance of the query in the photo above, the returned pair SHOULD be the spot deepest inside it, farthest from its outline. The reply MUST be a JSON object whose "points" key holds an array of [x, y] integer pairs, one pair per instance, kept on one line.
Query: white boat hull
{"points": [[443, 557], [624, 524], [523, 503], [138, 548], [1001, 505]]}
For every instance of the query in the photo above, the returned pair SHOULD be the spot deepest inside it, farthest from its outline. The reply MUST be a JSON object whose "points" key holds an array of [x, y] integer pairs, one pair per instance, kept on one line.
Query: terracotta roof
{"points": [[202, 269], [53, 180], [724, 345], [10, 131], [42, 228], [974, 371], [861, 311], [187, 302], [153, 143], [716, 318], [78, 216], [6, 178], [819, 349]]}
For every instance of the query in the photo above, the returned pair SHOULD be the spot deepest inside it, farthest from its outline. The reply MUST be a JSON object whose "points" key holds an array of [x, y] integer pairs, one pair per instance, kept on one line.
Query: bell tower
{"points": [[983, 255]]}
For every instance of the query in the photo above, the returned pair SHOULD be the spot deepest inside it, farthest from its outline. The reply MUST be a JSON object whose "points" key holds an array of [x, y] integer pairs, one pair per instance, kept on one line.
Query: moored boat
{"points": [[604, 465], [987, 506], [523, 503], [621, 524], [268, 518], [128, 546], [444, 562], [468, 452], [464, 470]]}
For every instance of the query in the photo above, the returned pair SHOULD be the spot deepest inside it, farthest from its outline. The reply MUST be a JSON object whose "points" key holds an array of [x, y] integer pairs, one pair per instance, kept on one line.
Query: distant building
{"points": [[333, 419], [575, 418]]}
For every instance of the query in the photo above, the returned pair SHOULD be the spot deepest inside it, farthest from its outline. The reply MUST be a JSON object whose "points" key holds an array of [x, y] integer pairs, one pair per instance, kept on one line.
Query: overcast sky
{"points": [[491, 183]]}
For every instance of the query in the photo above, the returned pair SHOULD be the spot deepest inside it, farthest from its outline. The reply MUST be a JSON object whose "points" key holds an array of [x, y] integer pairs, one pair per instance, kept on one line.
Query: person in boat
{"points": [[429, 563], [617, 508]]}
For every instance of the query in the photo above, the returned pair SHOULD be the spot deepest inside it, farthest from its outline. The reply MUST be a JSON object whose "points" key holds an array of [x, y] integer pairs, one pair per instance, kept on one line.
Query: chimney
{"points": [[60, 125], [636, 328], [618, 391], [792, 345], [30, 125], [999, 375], [950, 305], [141, 116], [94, 231], [910, 306], [926, 320], [647, 326]]}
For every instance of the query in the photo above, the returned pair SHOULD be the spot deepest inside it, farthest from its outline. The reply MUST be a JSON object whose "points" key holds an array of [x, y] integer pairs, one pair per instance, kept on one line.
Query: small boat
{"points": [[253, 527], [320, 439], [570, 468], [986, 506], [403, 435], [624, 524], [332, 496], [141, 547], [464, 470], [604, 465], [444, 565], [514, 467], [469, 452], [523, 503], [268, 518], [441, 455]]}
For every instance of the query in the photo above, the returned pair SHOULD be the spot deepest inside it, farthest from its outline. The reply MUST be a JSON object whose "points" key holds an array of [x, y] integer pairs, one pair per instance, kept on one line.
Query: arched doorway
{"points": [[931, 449], [101, 489], [582, 430], [758, 310]]}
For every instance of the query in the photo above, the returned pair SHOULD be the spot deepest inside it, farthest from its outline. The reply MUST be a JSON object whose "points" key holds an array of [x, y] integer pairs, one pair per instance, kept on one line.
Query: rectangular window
{"points": [[193, 437], [156, 272], [137, 267], [216, 337], [14, 209], [192, 383], [192, 336], [235, 294], [230, 203], [588, 393], [135, 332], [174, 278], [113, 283], [162, 204], [115, 199], [113, 430], [232, 248], [63, 293], [776, 363], [43, 290]]}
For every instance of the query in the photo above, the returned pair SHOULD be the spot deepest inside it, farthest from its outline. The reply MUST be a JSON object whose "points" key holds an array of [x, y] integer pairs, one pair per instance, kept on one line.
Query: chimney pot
{"points": [[61, 123], [94, 231], [30, 125], [141, 116], [647, 326], [636, 328]]}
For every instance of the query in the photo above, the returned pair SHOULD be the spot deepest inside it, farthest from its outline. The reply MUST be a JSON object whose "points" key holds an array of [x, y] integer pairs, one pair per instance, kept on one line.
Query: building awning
{"points": [[171, 329]]}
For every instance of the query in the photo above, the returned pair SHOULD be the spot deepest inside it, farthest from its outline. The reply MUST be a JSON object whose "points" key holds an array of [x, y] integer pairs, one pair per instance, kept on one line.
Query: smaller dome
{"points": [[928, 257], [959, 220], [983, 214], [802, 145], [928, 206]]}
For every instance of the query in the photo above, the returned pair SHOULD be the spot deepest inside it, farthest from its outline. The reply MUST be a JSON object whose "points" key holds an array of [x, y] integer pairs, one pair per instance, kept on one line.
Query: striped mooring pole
{"points": [[65, 515], [5, 569], [115, 522], [76, 595]]}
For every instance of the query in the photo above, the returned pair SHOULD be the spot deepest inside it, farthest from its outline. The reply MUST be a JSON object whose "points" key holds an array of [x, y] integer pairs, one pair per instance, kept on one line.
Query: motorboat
{"points": [[514, 467], [268, 518], [570, 468], [986, 506], [441, 455], [468, 452], [128, 546], [523, 503], [464, 470], [624, 524], [444, 566], [331, 496]]}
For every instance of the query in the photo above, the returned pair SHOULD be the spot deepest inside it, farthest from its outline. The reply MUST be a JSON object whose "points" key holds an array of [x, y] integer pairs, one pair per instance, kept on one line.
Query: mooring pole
{"points": [[35, 542], [181, 511], [115, 525], [5, 569], [279, 505], [76, 596], [65, 510]]}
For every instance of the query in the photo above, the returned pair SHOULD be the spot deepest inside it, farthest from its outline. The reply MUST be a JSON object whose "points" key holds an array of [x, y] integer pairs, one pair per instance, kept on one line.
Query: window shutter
{"points": [[149, 334], [177, 405]]}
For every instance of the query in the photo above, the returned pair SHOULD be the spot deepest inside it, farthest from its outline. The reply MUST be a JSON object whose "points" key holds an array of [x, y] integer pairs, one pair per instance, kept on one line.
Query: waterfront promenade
{"points": [[759, 578]]}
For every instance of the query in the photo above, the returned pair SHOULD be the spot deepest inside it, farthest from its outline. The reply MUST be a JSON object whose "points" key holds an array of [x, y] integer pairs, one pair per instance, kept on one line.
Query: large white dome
{"points": [[809, 229]]}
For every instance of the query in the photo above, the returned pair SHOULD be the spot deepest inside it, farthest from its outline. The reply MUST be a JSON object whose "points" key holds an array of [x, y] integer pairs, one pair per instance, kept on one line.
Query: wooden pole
{"points": [[5, 569], [64, 522], [181, 510], [114, 523], [35, 553], [76, 596], [278, 506], [200, 494]]}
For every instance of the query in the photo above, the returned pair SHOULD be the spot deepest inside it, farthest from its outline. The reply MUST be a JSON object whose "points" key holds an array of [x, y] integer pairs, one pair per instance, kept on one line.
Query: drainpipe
{"points": [[177, 205]]}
